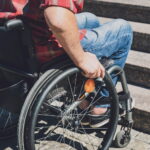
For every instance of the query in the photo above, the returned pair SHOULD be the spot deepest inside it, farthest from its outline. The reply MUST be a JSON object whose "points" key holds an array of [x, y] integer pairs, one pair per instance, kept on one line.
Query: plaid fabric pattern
{"points": [[11, 8], [74, 5], [46, 45], [7, 6]]}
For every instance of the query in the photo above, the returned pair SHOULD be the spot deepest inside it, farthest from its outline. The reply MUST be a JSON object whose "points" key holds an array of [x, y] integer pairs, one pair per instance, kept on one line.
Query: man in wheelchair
{"points": [[58, 26]]}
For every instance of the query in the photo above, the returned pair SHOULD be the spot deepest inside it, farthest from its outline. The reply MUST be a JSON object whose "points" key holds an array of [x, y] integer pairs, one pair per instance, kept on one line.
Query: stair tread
{"points": [[145, 3], [136, 26], [140, 59], [140, 95], [133, 10], [141, 41]]}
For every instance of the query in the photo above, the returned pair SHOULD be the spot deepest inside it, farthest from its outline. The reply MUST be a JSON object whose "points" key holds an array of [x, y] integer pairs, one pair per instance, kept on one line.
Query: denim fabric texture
{"points": [[112, 40]]}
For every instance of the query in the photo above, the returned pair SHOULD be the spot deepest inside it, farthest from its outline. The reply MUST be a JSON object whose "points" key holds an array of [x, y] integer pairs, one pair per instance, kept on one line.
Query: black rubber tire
{"points": [[120, 141], [48, 79]]}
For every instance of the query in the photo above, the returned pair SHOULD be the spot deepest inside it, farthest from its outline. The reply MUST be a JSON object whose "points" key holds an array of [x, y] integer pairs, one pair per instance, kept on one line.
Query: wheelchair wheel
{"points": [[122, 139], [50, 118]]}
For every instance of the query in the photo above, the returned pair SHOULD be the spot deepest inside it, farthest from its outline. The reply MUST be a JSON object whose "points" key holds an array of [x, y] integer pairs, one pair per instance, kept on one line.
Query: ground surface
{"points": [[140, 141]]}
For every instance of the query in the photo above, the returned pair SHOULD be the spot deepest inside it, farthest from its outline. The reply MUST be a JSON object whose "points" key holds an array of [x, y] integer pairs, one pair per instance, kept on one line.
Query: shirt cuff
{"points": [[69, 4]]}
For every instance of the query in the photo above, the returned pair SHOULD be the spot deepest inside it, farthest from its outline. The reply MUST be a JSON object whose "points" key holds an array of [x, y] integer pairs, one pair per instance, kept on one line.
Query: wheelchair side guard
{"points": [[123, 137]]}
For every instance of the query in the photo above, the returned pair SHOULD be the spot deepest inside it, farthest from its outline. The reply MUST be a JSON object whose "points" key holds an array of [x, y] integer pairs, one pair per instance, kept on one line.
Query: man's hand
{"points": [[91, 66]]}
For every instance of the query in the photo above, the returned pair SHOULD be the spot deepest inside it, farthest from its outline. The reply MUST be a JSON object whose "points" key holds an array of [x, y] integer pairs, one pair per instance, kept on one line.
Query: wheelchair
{"points": [[44, 98]]}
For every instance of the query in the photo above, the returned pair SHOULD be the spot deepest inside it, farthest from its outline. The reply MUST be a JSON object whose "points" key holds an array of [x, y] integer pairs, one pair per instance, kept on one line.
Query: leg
{"points": [[87, 20], [112, 40]]}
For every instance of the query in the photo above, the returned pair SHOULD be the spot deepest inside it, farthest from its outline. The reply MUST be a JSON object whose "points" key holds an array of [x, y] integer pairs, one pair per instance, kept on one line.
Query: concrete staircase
{"points": [[137, 12]]}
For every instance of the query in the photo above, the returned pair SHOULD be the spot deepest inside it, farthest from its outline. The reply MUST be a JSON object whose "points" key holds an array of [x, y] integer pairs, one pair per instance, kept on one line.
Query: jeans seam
{"points": [[109, 43]]}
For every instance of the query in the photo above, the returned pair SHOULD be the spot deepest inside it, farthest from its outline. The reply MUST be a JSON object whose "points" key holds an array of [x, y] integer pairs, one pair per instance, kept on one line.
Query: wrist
{"points": [[79, 59]]}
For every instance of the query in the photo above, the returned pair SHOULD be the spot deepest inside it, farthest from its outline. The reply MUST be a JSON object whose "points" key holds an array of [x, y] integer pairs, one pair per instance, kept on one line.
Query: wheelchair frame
{"points": [[17, 24]]}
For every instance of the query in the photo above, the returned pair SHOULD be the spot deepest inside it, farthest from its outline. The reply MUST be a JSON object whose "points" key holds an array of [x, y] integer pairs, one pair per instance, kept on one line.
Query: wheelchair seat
{"points": [[17, 48]]}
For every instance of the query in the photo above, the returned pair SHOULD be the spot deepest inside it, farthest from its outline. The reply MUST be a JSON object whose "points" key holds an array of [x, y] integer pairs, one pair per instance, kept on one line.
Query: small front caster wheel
{"points": [[122, 139]]}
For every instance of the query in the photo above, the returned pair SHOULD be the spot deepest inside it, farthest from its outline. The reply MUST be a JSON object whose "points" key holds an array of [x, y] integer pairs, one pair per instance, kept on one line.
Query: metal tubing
{"points": [[18, 72], [122, 76]]}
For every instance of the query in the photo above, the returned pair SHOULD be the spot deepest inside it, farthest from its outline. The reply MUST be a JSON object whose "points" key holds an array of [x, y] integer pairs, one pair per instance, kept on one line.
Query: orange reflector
{"points": [[89, 86]]}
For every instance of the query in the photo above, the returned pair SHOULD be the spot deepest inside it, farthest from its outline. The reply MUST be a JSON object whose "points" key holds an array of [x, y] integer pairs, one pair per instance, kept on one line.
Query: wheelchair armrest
{"points": [[14, 24]]}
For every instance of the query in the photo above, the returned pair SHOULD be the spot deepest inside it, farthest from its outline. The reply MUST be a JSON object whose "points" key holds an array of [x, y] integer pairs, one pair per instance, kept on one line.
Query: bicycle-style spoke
{"points": [[73, 135], [87, 136], [81, 90], [57, 90], [75, 83], [1, 113], [7, 121], [44, 138], [71, 89], [67, 128], [63, 133], [54, 107], [86, 110]]}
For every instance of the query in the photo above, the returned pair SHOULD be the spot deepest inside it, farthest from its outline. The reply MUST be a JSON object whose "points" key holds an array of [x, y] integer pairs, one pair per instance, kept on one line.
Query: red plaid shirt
{"points": [[46, 45]]}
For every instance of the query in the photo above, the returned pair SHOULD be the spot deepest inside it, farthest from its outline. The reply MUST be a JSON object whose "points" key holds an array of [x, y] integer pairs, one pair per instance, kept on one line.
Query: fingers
{"points": [[100, 72], [91, 66], [89, 75]]}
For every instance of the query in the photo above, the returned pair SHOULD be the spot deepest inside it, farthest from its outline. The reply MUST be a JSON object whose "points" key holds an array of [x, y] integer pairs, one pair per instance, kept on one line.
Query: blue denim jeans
{"points": [[112, 40]]}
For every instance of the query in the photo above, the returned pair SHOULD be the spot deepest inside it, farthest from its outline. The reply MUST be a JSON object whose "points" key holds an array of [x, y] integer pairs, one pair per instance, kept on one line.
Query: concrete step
{"points": [[141, 112], [138, 68], [141, 40], [134, 10], [139, 141], [138, 63]]}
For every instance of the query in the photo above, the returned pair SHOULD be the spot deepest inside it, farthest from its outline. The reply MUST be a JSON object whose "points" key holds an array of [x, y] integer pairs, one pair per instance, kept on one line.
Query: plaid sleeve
{"points": [[11, 8], [7, 6], [73, 5]]}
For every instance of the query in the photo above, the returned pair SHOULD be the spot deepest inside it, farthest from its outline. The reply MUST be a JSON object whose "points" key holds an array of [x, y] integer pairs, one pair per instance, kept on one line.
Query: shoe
{"points": [[97, 121], [84, 119]]}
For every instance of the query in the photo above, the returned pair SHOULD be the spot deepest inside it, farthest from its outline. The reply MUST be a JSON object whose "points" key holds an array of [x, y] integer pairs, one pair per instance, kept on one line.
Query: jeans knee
{"points": [[124, 25], [91, 20], [89, 15], [126, 29]]}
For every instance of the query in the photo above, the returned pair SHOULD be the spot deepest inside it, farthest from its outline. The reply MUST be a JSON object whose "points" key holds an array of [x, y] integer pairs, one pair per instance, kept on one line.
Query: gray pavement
{"points": [[140, 141]]}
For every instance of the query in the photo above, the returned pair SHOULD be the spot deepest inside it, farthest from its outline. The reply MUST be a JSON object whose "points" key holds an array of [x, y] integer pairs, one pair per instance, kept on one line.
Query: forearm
{"points": [[66, 31], [63, 24]]}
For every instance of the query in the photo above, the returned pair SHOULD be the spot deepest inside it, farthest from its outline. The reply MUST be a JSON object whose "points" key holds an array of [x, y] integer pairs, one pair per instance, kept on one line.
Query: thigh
{"points": [[87, 20], [107, 39]]}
